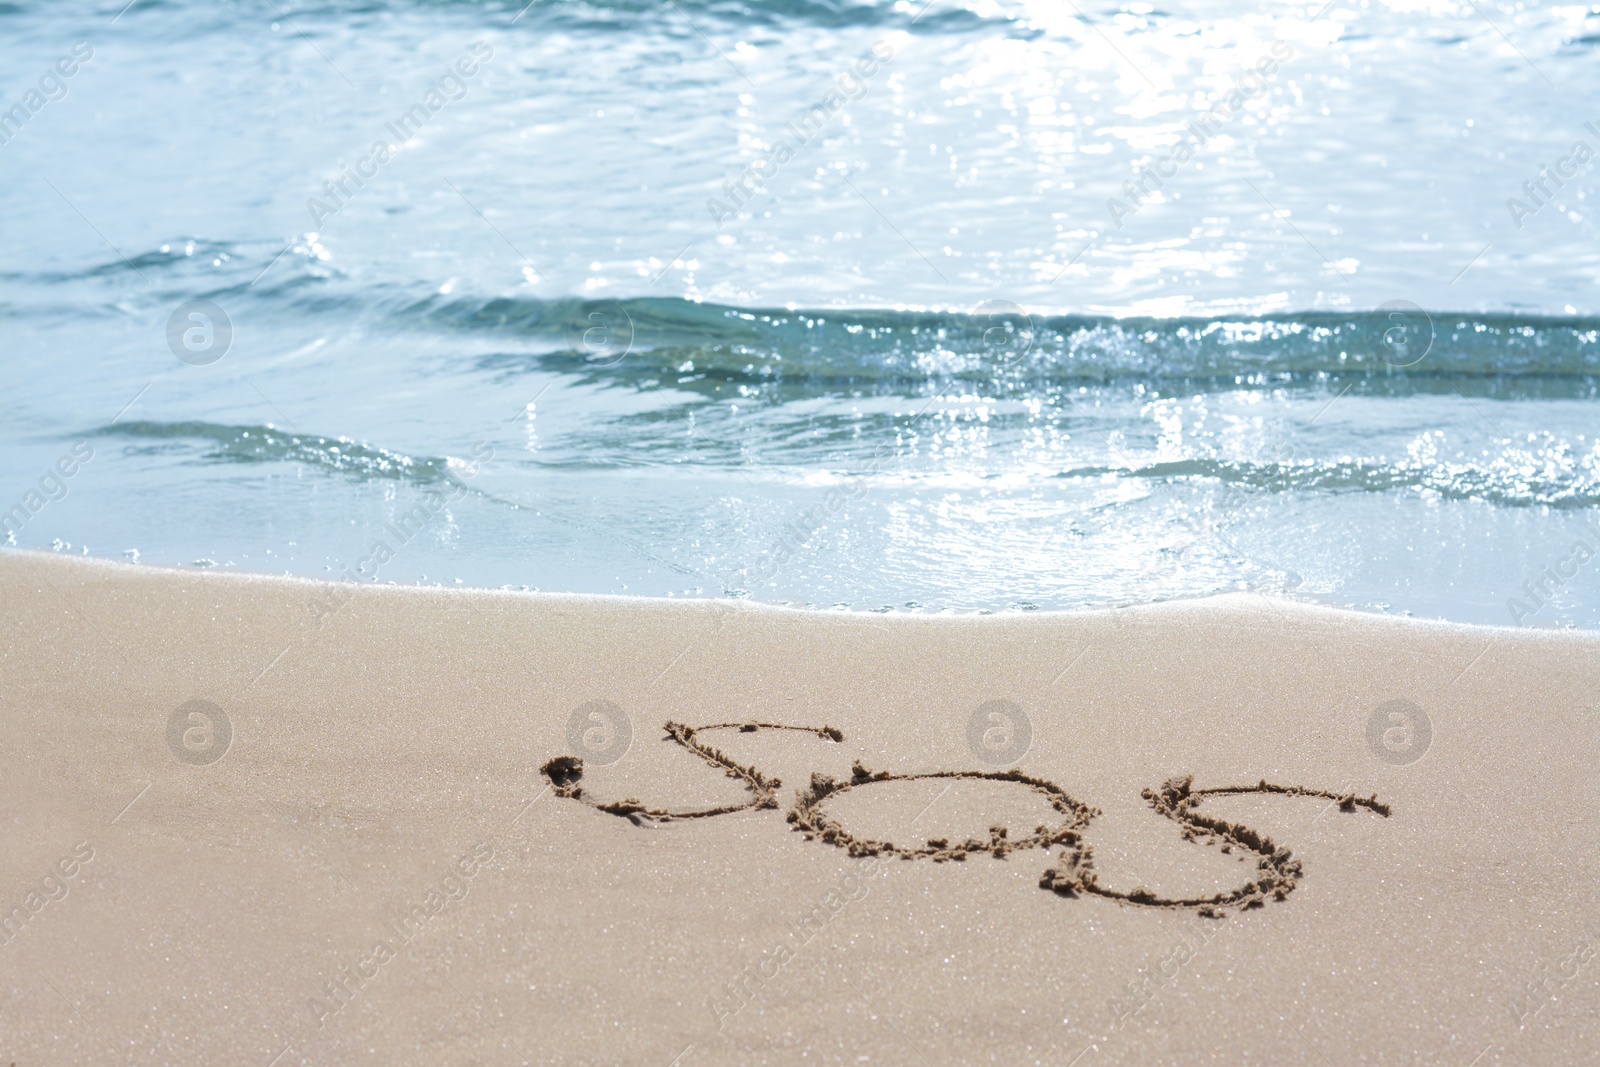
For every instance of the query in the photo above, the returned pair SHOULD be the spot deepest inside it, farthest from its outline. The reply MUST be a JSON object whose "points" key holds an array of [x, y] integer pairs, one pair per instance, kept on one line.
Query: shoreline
{"points": [[1231, 600]]}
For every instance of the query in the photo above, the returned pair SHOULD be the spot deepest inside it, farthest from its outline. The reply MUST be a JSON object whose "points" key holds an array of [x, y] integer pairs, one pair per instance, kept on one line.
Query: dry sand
{"points": [[374, 869]]}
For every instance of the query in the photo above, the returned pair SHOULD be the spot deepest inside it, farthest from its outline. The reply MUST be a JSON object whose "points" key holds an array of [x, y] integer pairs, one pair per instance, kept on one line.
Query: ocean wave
{"points": [[1009, 349], [1504, 480], [625, 14], [1513, 476], [267, 444], [838, 348]]}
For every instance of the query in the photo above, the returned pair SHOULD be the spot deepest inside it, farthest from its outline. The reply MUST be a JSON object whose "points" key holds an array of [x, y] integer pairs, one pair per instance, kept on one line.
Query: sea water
{"points": [[968, 306]]}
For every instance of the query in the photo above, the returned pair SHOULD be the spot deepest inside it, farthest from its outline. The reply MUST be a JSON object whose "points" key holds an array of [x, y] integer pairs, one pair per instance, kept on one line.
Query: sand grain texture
{"points": [[392, 750]]}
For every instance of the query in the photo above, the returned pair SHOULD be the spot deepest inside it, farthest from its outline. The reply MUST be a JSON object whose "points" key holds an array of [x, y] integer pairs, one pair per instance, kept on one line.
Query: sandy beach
{"points": [[801, 533], [269, 821]]}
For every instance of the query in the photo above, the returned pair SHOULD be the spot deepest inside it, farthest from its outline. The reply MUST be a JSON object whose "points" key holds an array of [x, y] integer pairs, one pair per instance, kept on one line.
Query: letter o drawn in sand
{"points": [[999, 732], [1399, 732], [199, 732], [601, 731]]}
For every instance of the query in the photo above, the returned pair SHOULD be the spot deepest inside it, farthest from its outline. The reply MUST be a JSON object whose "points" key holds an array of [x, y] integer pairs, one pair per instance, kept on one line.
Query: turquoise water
{"points": [[970, 307]]}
